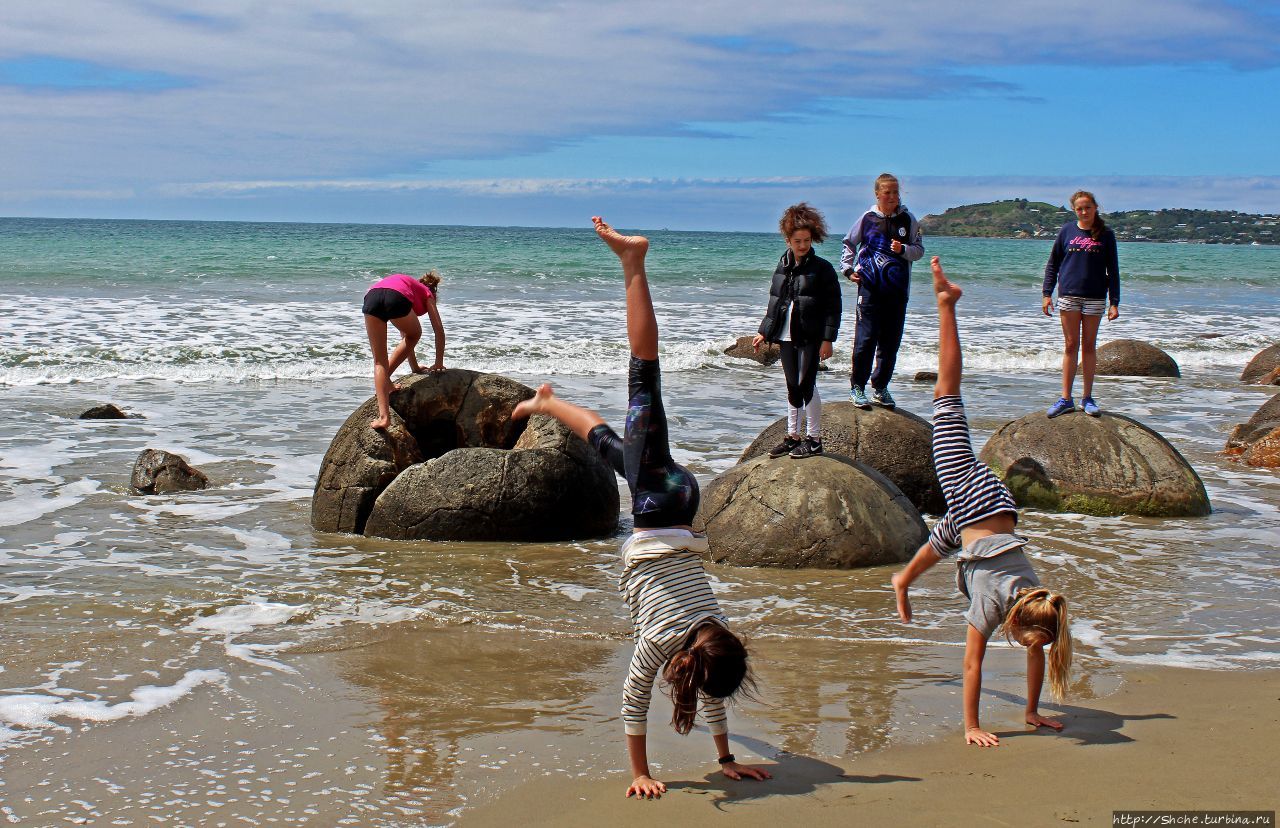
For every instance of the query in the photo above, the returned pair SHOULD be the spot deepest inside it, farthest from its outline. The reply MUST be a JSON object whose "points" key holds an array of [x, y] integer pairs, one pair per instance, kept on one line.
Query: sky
{"points": [[712, 115]]}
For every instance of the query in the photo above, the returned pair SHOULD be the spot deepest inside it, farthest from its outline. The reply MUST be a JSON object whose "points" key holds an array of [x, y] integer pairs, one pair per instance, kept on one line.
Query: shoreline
{"points": [[1167, 739]]}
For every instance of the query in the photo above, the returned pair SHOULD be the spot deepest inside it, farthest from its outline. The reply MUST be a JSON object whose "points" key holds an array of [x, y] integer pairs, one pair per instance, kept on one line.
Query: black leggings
{"points": [[663, 493], [800, 367]]}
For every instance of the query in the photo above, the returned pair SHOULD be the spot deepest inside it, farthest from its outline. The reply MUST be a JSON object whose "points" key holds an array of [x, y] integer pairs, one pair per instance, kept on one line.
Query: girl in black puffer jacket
{"points": [[804, 319]]}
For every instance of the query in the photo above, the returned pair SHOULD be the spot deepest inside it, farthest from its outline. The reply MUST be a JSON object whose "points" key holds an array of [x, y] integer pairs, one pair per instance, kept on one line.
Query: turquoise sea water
{"points": [[243, 346]]}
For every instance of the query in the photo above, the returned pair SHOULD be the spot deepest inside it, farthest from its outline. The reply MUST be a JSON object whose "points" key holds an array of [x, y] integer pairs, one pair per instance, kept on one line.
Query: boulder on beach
{"points": [[1264, 365], [157, 472], [1108, 465], [1270, 378], [1134, 358], [741, 349], [824, 512], [108, 412], [453, 465], [896, 443], [1257, 441]]}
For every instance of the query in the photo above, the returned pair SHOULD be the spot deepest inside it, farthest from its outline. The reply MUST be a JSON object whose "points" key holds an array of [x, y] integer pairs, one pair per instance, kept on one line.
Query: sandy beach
{"points": [[1167, 739]]}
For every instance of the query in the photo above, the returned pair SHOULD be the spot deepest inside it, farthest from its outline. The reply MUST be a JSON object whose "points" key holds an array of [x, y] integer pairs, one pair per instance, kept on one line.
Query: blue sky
{"points": [[712, 116]]}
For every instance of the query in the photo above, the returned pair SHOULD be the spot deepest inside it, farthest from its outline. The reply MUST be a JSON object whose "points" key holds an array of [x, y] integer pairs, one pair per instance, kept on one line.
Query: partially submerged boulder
{"points": [[896, 443], [1257, 442], [453, 465], [157, 472], [823, 512], [926, 376], [109, 411], [741, 349], [1108, 465], [1264, 363], [1134, 358]]}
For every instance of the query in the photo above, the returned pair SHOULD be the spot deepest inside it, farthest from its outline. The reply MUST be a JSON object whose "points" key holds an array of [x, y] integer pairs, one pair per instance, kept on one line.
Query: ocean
{"points": [[209, 657]]}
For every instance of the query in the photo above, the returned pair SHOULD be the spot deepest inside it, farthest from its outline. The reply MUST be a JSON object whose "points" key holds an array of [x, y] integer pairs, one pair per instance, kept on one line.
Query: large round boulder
{"points": [[1264, 362], [454, 465], [896, 443], [741, 349], [1108, 465], [1134, 358], [157, 472], [1258, 441], [824, 512]]}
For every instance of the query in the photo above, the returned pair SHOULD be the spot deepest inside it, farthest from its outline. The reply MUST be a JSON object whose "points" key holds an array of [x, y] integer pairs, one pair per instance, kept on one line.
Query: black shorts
{"points": [[386, 304]]}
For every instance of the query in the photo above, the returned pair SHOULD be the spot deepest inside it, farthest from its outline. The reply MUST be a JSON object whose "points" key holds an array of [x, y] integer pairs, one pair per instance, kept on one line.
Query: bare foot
{"points": [[900, 592], [948, 292], [631, 249], [380, 424], [538, 402]]}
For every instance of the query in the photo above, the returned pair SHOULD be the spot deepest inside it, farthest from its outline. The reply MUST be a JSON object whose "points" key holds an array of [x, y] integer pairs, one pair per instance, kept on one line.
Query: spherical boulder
{"points": [[825, 512], [1256, 440], [1108, 465], [453, 465], [1263, 363], [1134, 358], [896, 443], [157, 472], [741, 349]]}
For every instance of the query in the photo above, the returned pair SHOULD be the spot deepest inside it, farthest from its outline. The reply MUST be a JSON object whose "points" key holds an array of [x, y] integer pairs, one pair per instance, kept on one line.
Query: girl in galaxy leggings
{"points": [[677, 624]]}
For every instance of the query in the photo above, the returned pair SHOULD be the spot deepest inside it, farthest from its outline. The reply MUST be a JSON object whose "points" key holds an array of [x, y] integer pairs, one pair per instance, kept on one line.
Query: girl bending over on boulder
{"points": [[677, 623], [804, 319], [993, 573], [400, 300]]}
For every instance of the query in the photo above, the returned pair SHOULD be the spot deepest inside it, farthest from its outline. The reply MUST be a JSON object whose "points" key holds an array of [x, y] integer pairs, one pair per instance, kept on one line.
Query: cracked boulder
{"points": [[1134, 358], [455, 466], [896, 443], [158, 472], [826, 512], [1108, 465], [1257, 442], [1264, 367]]}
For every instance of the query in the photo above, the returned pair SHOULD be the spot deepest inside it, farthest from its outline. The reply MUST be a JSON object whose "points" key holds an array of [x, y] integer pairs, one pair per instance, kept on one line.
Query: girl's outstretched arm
{"points": [[438, 326], [642, 785], [1035, 681], [736, 770], [975, 648]]}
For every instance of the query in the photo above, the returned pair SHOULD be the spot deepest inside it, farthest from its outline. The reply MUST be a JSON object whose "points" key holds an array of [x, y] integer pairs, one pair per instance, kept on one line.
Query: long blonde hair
{"points": [[1040, 609], [431, 279]]}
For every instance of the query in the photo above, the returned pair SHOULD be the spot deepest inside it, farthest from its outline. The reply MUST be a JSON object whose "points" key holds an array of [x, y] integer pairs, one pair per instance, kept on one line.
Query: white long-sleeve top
{"points": [[668, 594]]}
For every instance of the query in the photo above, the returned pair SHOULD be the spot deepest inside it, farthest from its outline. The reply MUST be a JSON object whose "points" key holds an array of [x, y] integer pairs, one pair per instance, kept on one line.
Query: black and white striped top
{"points": [[972, 490], [668, 594]]}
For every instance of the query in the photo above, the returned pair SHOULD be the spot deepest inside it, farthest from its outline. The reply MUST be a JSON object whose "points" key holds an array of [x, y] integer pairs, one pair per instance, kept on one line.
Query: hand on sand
{"points": [[643, 787], [733, 770], [900, 592], [981, 738], [1036, 720], [948, 292], [534, 404]]}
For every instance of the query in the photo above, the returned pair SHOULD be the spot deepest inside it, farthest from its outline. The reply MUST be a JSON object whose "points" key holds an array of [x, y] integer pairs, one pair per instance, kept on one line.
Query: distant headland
{"points": [[1021, 219]]}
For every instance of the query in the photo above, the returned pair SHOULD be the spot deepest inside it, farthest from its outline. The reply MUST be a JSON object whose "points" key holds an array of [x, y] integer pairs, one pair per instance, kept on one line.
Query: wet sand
{"points": [[1166, 739]]}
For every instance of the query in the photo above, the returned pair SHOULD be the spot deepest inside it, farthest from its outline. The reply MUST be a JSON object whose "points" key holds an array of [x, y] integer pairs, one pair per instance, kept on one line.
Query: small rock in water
{"points": [[1263, 366], [926, 376], [769, 352], [108, 412], [157, 472]]}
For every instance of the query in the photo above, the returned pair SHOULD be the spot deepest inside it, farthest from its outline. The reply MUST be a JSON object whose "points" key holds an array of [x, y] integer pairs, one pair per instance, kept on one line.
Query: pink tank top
{"points": [[408, 287]]}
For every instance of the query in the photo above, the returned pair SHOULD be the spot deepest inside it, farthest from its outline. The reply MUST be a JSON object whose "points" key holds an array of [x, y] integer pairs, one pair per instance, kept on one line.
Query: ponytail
{"points": [[714, 665], [1040, 609]]}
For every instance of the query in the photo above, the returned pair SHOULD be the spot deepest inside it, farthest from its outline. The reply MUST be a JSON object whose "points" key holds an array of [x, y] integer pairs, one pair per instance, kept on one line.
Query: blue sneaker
{"points": [[1062, 406], [881, 396], [858, 395], [1090, 407]]}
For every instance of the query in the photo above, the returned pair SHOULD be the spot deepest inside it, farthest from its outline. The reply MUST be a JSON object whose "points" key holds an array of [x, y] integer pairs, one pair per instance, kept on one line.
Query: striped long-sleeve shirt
{"points": [[972, 490], [668, 594]]}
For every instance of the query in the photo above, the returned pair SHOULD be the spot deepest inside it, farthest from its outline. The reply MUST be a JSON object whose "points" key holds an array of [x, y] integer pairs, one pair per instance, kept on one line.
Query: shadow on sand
{"points": [[1084, 725]]}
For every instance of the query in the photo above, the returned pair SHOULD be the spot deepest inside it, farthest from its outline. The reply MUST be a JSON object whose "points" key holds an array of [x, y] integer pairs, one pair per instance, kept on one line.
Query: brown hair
{"points": [[431, 279], [803, 217], [884, 178], [1099, 226], [714, 665], [1040, 610]]}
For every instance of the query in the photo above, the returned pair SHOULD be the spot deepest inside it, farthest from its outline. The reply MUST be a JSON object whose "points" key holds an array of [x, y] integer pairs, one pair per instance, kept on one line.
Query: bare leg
{"points": [[1070, 349], [577, 419], [1088, 351], [642, 324], [382, 388], [411, 331], [950, 360]]}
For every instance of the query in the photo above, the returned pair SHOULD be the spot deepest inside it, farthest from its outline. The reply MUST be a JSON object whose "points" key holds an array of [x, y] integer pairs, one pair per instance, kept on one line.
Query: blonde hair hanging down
{"points": [[1040, 609]]}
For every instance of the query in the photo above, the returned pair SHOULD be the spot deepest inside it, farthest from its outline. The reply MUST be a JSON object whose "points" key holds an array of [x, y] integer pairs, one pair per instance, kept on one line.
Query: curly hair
{"points": [[803, 217]]}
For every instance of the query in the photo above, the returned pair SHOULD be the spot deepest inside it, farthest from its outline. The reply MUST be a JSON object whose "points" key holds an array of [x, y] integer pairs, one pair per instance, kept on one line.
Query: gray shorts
{"points": [[1078, 304]]}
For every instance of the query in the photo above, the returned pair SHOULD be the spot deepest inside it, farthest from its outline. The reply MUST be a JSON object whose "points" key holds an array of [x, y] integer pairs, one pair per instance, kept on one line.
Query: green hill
{"points": [[1021, 219]]}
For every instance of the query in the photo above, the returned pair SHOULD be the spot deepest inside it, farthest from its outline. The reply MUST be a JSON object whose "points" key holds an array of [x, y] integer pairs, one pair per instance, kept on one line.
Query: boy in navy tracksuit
{"points": [[878, 253]]}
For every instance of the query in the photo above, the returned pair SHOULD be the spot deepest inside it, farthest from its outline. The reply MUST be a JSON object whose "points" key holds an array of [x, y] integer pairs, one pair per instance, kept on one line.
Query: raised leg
{"points": [[950, 358], [577, 419], [410, 331], [642, 323]]}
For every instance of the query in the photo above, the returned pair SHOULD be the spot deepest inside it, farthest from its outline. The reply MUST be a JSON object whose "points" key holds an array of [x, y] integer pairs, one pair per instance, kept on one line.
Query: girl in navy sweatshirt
{"points": [[1086, 270]]}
